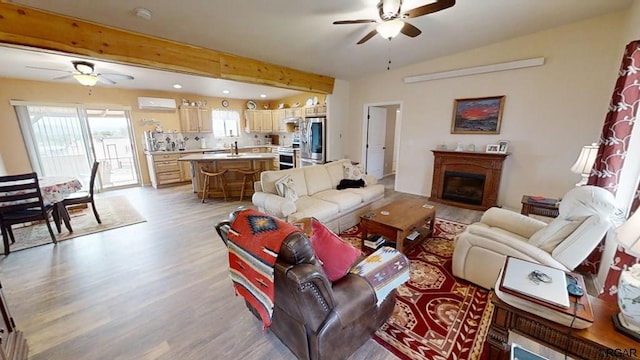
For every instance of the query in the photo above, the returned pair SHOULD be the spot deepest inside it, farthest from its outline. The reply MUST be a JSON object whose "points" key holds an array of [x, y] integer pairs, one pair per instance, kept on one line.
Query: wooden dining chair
{"points": [[20, 202], [85, 197]]}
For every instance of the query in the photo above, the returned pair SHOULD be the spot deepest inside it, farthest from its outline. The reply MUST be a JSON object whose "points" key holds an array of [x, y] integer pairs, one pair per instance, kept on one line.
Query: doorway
{"points": [[112, 142], [66, 140], [380, 131]]}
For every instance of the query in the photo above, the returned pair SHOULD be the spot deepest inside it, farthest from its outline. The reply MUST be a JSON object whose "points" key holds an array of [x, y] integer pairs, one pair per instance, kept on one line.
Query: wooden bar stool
{"points": [[207, 182], [247, 174]]}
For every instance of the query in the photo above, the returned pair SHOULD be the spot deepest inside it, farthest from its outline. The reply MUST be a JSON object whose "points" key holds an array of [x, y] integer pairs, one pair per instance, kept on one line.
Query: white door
{"points": [[376, 128]]}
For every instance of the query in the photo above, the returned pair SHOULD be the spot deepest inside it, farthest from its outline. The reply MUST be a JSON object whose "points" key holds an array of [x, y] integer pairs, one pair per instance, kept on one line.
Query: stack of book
{"points": [[374, 241], [543, 200]]}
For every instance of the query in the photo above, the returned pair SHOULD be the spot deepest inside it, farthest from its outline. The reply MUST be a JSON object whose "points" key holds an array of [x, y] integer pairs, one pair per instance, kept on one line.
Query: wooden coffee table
{"points": [[397, 220]]}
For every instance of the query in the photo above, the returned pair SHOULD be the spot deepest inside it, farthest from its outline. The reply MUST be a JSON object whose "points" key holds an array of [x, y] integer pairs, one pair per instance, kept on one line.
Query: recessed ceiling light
{"points": [[225, 91], [143, 13], [263, 95], [177, 86]]}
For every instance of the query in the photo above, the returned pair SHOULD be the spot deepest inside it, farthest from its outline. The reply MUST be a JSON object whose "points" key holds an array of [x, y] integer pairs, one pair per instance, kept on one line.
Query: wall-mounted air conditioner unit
{"points": [[149, 103]]}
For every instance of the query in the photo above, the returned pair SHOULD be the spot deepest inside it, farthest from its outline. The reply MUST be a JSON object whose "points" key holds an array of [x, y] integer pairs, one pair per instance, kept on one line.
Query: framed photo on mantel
{"points": [[503, 146], [493, 148], [477, 115]]}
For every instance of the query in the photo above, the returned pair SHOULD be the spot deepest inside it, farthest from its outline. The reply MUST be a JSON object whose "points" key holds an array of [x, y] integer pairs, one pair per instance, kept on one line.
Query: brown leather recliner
{"points": [[314, 318]]}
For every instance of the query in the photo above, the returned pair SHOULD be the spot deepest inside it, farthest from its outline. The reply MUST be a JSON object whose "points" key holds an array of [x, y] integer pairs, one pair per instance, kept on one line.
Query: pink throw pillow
{"points": [[336, 255]]}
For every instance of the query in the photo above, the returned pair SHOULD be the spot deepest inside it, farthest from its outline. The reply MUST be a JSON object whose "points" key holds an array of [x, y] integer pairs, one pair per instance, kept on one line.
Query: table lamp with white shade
{"points": [[628, 320], [584, 163]]}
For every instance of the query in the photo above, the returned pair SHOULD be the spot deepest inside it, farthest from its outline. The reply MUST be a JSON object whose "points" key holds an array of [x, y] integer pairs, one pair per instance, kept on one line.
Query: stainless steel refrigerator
{"points": [[312, 141]]}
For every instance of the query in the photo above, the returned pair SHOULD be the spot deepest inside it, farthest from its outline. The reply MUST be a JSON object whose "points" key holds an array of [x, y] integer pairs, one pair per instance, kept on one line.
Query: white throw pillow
{"points": [[286, 188], [353, 172]]}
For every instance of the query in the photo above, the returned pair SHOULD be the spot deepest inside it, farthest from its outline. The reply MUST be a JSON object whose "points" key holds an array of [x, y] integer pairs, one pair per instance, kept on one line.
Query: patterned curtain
{"points": [[616, 134], [621, 261]]}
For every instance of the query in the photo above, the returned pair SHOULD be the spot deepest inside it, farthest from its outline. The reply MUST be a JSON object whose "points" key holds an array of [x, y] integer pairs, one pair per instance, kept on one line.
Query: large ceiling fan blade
{"points": [[49, 69], [117, 76], [368, 36], [363, 21], [62, 77], [410, 30], [105, 80], [429, 8]]}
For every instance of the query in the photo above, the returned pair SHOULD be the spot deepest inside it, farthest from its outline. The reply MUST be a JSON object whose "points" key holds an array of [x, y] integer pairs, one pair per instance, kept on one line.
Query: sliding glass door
{"points": [[112, 142], [65, 140]]}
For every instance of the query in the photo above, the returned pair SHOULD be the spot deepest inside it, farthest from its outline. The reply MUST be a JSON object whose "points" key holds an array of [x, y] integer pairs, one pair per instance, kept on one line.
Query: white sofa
{"points": [[316, 188]]}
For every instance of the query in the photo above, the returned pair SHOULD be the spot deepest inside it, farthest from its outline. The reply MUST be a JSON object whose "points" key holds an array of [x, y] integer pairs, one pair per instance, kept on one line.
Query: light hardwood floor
{"points": [[155, 290]]}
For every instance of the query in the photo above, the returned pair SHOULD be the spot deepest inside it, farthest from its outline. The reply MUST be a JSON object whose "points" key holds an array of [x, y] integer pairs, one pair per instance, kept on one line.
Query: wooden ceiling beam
{"points": [[29, 27]]}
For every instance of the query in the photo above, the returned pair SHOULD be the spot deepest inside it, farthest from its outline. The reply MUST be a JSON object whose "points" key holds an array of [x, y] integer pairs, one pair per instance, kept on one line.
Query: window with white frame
{"points": [[225, 123]]}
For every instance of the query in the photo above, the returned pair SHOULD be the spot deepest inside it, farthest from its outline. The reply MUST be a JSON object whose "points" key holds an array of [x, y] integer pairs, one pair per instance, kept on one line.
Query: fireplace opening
{"points": [[463, 187]]}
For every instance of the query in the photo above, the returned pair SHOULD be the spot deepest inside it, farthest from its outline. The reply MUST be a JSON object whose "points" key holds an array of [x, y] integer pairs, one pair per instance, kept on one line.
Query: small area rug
{"points": [[436, 315], [115, 212]]}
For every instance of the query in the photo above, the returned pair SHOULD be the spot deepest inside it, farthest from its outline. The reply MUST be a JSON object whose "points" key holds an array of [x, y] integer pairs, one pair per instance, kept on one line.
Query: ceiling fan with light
{"points": [[84, 72], [391, 18]]}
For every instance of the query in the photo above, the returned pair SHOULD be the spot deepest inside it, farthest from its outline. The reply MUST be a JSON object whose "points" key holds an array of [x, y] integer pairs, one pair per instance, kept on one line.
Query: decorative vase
{"points": [[629, 298]]}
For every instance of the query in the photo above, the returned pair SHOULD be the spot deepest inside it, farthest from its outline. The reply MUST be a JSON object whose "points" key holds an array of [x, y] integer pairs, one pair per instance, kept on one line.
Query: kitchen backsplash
{"points": [[195, 141]]}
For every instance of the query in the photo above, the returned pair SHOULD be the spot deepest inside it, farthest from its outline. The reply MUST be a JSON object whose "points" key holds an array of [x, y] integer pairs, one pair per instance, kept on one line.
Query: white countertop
{"points": [[216, 149], [227, 156]]}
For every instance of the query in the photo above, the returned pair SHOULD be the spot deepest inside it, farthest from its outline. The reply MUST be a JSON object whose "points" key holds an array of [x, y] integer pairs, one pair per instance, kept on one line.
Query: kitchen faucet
{"points": [[235, 145]]}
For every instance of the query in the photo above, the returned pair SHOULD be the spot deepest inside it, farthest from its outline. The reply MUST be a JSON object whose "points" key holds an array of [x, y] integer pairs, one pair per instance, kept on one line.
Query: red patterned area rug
{"points": [[436, 316]]}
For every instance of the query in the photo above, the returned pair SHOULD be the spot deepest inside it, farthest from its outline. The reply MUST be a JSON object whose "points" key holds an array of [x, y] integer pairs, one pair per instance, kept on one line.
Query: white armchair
{"points": [[565, 242]]}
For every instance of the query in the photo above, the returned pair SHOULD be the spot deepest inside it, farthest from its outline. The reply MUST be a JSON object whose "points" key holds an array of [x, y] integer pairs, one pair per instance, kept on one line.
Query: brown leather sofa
{"points": [[314, 318]]}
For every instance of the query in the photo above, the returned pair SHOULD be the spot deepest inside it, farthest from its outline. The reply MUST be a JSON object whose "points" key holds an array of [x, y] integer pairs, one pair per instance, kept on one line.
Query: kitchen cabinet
{"points": [[276, 159], [267, 122], [254, 120], [185, 171], [294, 112], [164, 170], [259, 120], [318, 110], [277, 118], [195, 119]]}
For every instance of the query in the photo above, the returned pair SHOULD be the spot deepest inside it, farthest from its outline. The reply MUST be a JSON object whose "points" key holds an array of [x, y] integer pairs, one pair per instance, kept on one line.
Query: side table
{"points": [[545, 207], [599, 341]]}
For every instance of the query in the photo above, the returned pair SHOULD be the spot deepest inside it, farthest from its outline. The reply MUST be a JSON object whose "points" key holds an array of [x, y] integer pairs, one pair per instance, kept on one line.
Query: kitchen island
{"points": [[165, 169], [232, 163]]}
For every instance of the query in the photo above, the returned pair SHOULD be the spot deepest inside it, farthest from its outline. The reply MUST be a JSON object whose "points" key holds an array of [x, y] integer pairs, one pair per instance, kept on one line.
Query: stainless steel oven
{"points": [[286, 158]]}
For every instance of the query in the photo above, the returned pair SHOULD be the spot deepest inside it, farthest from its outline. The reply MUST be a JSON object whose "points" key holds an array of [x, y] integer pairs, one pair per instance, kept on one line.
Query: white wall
{"points": [[550, 111], [337, 116]]}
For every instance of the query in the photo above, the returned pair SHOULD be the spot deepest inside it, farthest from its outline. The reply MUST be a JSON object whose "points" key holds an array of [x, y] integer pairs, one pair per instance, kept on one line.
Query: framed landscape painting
{"points": [[477, 115]]}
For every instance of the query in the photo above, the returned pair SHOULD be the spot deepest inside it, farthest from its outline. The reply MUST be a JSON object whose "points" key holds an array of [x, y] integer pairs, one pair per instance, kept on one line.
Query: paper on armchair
{"points": [[537, 281]]}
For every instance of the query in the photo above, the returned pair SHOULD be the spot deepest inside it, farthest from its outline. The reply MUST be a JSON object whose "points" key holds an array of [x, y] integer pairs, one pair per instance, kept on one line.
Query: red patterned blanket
{"points": [[254, 243]]}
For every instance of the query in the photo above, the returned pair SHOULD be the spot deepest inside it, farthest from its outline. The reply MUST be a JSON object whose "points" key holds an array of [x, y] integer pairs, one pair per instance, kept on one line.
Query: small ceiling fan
{"points": [[391, 18], [84, 72]]}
